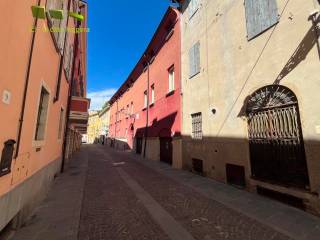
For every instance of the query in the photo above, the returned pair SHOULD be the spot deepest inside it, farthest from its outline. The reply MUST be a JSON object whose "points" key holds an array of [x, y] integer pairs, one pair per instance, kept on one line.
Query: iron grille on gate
{"points": [[275, 137]]}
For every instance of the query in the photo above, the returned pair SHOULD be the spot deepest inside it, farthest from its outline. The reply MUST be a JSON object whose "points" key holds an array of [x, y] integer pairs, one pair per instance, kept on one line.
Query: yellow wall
{"points": [[232, 68], [94, 127]]}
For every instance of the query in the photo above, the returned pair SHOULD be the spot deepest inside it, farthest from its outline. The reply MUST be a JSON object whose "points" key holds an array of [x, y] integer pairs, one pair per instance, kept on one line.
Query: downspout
{"points": [[181, 87], [147, 118], [26, 85], [64, 147]]}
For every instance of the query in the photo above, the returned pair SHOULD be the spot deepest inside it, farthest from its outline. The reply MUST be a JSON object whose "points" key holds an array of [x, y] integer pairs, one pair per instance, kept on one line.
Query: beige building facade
{"points": [[94, 126], [104, 116], [250, 84]]}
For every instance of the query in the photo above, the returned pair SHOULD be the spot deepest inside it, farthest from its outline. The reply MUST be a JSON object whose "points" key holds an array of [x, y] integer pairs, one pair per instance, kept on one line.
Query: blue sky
{"points": [[119, 33]]}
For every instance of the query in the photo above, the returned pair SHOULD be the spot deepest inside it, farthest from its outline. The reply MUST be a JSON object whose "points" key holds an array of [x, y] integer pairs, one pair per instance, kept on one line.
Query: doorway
{"points": [[277, 152], [139, 146], [166, 150]]}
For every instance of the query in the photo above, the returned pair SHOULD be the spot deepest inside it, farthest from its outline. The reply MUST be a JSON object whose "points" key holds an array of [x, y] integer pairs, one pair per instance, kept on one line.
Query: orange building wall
{"points": [[14, 48]]}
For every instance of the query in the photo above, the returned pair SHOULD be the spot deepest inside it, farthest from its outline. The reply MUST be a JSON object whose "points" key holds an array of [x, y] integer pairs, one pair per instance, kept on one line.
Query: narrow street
{"points": [[106, 194]]}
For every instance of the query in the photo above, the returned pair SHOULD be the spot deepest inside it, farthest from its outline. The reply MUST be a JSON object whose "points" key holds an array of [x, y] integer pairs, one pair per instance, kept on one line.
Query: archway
{"points": [[277, 152]]}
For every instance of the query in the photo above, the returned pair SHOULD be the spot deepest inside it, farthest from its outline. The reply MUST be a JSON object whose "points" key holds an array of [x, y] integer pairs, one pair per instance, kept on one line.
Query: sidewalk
{"points": [[58, 216], [288, 220], [143, 199]]}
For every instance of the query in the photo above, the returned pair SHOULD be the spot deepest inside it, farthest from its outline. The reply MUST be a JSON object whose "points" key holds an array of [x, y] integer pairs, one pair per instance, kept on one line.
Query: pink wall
{"points": [[165, 114]]}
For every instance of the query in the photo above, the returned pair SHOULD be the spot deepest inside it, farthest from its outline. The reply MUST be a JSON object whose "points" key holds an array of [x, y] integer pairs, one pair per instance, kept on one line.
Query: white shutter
{"points": [[197, 57], [191, 62], [194, 60], [63, 26]]}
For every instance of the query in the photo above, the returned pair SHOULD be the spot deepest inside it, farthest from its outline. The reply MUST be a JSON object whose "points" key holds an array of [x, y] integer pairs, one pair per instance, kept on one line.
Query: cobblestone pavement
{"points": [[110, 209], [124, 199]]}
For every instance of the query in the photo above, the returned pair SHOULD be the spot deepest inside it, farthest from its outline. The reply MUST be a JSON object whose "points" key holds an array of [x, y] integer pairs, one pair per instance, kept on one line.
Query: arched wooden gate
{"points": [[277, 152]]}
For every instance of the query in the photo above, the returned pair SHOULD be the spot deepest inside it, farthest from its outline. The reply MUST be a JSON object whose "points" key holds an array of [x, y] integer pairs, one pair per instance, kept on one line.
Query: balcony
{"points": [[79, 114]]}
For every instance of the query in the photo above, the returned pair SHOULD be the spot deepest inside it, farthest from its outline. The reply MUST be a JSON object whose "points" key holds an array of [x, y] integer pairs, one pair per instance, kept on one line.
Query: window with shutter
{"points": [[57, 24], [193, 7], [194, 60], [70, 62], [171, 79], [42, 115], [68, 59], [60, 130], [191, 62], [63, 26], [145, 99], [152, 95], [260, 16]]}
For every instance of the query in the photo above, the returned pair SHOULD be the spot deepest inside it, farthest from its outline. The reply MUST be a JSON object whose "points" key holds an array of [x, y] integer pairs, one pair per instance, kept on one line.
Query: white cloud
{"points": [[98, 98]]}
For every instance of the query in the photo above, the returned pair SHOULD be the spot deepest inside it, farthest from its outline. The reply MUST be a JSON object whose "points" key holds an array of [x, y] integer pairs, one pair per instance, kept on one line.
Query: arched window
{"points": [[277, 152]]}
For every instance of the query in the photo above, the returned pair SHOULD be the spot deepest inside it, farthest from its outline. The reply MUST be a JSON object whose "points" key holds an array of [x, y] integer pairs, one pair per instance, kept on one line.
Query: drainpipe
{"points": [[147, 118], [26, 85]]}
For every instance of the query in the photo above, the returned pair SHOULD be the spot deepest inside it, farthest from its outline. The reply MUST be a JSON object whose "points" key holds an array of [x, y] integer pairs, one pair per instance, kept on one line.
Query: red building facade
{"points": [[149, 102]]}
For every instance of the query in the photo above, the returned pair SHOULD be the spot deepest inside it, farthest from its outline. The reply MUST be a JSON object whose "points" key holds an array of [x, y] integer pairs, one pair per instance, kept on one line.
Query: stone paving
{"points": [[109, 209], [120, 196]]}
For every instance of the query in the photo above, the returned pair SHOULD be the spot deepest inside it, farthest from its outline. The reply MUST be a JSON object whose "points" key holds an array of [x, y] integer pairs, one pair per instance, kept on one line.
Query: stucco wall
{"points": [[165, 114], [233, 68], [21, 201], [15, 46]]}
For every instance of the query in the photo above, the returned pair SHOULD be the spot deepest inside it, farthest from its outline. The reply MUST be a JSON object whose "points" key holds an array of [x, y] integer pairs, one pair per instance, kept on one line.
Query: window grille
{"points": [[197, 126]]}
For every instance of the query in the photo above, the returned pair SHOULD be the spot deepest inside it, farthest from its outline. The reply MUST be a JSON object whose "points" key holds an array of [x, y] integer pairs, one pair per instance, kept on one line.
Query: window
{"points": [[42, 115], [171, 79], [128, 111], [61, 123], [152, 94], [57, 24], [196, 125], [260, 16], [68, 60], [193, 7], [145, 99], [194, 60]]}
